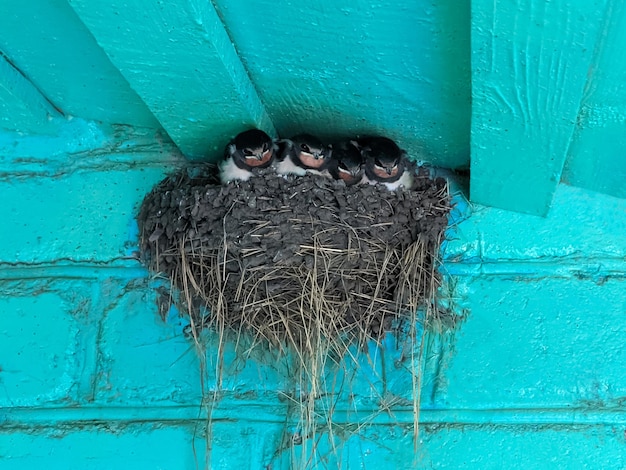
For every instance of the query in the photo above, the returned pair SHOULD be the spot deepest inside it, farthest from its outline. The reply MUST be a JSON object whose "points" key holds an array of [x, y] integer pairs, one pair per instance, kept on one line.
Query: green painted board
{"points": [[22, 106], [164, 372], [100, 448], [596, 158], [530, 62], [56, 52], [179, 59], [345, 67]]}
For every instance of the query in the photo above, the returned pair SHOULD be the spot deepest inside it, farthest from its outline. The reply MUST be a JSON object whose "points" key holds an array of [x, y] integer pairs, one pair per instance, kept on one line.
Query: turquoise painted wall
{"points": [[531, 376], [91, 377]]}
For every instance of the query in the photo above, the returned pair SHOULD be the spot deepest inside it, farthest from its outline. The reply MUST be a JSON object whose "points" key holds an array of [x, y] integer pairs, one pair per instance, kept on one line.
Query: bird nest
{"points": [[296, 260]]}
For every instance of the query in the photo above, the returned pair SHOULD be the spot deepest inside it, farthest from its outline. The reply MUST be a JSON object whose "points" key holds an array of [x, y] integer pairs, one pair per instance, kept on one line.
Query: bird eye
{"points": [[265, 147], [343, 166], [248, 152], [377, 162], [305, 148]]}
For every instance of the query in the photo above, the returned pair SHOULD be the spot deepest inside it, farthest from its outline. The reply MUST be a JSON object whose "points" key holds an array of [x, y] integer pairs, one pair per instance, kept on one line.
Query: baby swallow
{"points": [[303, 154], [385, 163], [346, 163], [248, 152]]}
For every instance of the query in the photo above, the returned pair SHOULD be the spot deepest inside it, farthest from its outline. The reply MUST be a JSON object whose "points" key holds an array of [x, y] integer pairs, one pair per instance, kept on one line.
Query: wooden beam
{"points": [[49, 43], [23, 108], [344, 67], [596, 157], [530, 60], [179, 59]]}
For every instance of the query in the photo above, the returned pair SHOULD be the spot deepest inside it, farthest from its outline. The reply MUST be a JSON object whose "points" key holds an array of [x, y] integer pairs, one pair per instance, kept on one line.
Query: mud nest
{"points": [[293, 260]]}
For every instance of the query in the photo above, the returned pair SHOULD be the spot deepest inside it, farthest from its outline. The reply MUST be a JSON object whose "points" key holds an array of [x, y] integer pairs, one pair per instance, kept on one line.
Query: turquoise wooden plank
{"points": [[22, 106], [596, 157], [98, 176], [179, 59], [49, 43], [346, 67], [530, 61]]}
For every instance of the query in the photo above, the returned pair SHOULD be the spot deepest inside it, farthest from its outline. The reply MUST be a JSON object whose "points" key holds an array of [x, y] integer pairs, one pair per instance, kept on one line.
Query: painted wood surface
{"points": [[94, 374], [542, 73], [22, 106], [179, 59], [596, 158], [530, 62], [345, 67], [49, 44]]}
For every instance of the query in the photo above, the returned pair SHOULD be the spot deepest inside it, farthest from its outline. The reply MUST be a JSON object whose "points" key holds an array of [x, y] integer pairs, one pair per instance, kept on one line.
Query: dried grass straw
{"points": [[305, 265]]}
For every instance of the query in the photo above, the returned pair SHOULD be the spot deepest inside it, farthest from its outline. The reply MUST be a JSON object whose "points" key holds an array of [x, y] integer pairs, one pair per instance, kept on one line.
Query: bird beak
{"points": [[389, 170], [259, 156], [317, 155]]}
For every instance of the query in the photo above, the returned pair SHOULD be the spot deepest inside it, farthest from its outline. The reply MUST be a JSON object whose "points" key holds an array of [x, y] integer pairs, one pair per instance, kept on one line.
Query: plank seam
{"points": [[595, 269], [245, 69], [38, 417], [52, 109]]}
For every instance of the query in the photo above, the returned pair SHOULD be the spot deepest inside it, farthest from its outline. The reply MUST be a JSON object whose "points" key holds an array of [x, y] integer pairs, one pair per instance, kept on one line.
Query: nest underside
{"points": [[294, 260]]}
